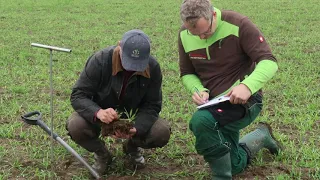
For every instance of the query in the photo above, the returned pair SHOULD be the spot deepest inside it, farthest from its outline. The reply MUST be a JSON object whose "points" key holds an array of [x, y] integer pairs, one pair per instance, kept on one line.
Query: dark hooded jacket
{"points": [[100, 83]]}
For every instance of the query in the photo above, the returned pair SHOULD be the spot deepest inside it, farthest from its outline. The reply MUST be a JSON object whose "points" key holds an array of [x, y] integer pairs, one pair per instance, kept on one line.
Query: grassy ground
{"points": [[291, 98]]}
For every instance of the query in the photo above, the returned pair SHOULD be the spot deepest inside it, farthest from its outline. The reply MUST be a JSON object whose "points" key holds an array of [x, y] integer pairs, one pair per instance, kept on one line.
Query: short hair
{"points": [[192, 10]]}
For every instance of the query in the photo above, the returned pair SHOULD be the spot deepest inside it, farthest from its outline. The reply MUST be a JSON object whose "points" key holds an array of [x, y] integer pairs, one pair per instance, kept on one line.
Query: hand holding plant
{"points": [[120, 128]]}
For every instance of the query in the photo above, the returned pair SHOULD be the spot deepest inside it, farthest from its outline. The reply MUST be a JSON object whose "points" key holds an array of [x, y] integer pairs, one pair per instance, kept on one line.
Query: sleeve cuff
{"points": [[95, 116], [140, 130]]}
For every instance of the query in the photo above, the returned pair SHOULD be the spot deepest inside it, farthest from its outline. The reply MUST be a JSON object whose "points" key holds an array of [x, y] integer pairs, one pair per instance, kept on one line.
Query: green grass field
{"points": [[291, 98]]}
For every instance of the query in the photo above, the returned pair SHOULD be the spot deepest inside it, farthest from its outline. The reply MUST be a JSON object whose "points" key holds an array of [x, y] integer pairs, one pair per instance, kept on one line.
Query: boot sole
{"points": [[279, 144]]}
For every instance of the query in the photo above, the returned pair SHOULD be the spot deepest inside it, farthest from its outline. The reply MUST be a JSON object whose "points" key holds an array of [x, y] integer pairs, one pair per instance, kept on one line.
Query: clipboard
{"points": [[214, 101]]}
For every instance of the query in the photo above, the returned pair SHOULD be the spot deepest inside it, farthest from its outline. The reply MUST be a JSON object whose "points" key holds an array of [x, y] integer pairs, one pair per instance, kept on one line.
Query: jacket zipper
{"points": [[128, 82], [220, 43]]}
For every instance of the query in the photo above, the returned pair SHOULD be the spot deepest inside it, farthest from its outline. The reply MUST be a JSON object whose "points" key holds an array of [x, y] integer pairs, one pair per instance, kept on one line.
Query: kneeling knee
{"points": [[200, 121], [79, 130], [159, 135], [163, 138]]}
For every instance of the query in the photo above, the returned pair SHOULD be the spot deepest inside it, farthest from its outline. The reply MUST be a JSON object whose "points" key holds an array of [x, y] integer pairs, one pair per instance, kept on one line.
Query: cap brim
{"points": [[134, 65]]}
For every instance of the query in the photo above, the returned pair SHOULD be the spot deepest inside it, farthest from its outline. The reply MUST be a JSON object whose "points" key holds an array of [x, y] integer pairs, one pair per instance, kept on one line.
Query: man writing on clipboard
{"points": [[222, 53]]}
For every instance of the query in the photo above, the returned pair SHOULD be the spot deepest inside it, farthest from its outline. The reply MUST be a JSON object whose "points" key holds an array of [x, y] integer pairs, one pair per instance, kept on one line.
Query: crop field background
{"points": [[291, 98]]}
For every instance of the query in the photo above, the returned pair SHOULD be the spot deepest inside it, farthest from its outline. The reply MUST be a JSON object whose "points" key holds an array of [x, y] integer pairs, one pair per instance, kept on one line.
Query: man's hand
{"points": [[107, 115], [121, 135], [239, 94], [200, 98]]}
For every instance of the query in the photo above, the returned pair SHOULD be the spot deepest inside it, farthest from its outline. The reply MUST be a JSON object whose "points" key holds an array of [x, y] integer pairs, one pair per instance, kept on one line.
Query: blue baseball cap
{"points": [[135, 47]]}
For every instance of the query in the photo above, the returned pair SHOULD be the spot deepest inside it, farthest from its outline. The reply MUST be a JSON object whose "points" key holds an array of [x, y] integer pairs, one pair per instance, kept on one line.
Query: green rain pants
{"points": [[212, 141]]}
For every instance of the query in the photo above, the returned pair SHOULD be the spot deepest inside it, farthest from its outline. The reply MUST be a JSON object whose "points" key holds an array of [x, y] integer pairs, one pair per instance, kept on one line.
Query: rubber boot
{"points": [[102, 159], [260, 138], [135, 154], [221, 168]]}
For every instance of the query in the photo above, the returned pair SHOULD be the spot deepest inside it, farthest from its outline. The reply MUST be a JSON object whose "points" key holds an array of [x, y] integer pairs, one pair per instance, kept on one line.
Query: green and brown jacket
{"points": [[236, 53]]}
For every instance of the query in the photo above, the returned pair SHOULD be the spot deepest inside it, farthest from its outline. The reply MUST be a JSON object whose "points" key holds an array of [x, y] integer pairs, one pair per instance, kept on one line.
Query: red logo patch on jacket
{"points": [[261, 39], [197, 56]]}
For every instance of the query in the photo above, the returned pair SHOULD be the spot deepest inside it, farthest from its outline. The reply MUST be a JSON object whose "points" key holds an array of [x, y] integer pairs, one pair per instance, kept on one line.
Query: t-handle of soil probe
{"points": [[31, 119], [37, 121]]}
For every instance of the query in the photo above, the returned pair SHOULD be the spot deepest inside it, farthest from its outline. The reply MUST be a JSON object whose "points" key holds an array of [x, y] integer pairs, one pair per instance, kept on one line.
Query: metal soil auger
{"points": [[34, 118]]}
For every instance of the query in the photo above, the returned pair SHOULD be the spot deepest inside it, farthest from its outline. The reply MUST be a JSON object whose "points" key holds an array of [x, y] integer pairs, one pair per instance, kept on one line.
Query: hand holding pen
{"points": [[200, 97]]}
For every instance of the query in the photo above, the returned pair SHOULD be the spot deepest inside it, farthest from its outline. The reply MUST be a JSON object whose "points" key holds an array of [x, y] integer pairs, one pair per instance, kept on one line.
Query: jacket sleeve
{"points": [[257, 48], [253, 42], [185, 64], [149, 110], [189, 77], [86, 88]]}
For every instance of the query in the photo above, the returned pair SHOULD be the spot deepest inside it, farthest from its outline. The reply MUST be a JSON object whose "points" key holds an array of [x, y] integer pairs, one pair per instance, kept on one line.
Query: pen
{"points": [[198, 92]]}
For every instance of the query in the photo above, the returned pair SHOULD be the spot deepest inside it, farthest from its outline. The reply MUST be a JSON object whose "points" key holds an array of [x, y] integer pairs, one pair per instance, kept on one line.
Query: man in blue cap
{"points": [[118, 79]]}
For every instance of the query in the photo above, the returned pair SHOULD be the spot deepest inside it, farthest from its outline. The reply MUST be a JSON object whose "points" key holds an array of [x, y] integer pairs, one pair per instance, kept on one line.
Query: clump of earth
{"points": [[120, 125]]}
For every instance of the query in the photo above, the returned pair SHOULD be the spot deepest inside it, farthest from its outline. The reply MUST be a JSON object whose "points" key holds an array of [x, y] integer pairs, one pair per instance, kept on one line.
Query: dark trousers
{"points": [[87, 134]]}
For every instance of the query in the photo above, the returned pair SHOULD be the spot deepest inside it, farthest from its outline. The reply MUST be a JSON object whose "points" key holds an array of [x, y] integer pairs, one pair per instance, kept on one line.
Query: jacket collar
{"points": [[117, 67]]}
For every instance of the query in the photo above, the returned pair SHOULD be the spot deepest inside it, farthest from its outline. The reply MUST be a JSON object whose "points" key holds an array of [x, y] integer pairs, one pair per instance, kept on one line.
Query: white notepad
{"points": [[214, 101]]}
